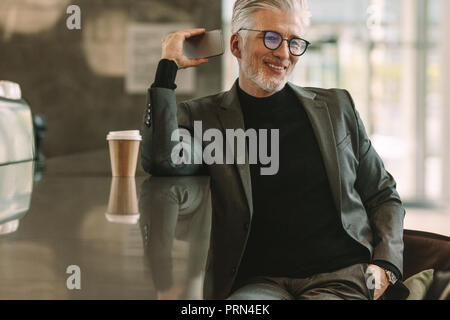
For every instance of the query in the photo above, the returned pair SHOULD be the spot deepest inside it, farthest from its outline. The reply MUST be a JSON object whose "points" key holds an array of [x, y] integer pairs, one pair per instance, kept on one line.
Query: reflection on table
{"points": [[175, 224], [122, 205], [80, 216], [16, 186]]}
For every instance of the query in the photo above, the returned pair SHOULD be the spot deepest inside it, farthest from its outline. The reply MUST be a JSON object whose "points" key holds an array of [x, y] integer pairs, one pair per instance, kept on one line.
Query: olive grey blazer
{"points": [[363, 191]]}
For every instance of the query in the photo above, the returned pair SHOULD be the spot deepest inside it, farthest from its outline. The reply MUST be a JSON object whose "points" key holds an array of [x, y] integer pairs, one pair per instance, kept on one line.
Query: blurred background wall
{"points": [[77, 78]]}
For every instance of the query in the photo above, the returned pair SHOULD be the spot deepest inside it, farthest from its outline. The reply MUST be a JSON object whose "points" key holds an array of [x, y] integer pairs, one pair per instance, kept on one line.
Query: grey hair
{"points": [[243, 9]]}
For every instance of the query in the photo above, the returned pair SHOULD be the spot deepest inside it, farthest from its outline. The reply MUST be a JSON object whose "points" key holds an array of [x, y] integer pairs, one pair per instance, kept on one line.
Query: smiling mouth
{"points": [[275, 67]]}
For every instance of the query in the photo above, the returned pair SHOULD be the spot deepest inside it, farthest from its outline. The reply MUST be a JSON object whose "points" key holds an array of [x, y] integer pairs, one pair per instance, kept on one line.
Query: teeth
{"points": [[275, 67]]}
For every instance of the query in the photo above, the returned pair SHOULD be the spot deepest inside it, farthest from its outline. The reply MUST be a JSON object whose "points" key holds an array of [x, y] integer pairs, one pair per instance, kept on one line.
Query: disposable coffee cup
{"points": [[123, 205], [123, 151]]}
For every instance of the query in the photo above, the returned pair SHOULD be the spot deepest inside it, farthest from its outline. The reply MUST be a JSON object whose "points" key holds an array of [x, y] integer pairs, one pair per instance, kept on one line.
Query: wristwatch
{"points": [[391, 277]]}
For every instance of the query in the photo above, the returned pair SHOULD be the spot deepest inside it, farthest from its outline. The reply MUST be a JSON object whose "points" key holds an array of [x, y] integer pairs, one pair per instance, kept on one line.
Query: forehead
{"points": [[286, 23]]}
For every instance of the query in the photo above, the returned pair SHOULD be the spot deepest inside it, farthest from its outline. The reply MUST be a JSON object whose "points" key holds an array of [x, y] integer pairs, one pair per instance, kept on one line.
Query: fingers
{"points": [[184, 34], [193, 63], [188, 33], [198, 61]]}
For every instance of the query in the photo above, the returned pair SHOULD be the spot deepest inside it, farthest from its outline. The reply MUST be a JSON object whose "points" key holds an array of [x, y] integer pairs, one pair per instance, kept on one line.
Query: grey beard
{"points": [[267, 85]]}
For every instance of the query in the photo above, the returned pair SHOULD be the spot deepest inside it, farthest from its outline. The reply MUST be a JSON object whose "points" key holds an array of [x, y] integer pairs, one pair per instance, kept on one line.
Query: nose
{"points": [[283, 51]]}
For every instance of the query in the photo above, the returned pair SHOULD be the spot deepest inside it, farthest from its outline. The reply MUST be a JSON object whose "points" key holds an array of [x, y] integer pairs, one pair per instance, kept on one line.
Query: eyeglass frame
{"points": [[282, 39]]}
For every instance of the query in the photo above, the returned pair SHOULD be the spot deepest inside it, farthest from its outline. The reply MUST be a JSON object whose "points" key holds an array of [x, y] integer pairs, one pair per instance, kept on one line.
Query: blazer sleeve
{"points": [[377, 189], [165, 125]]}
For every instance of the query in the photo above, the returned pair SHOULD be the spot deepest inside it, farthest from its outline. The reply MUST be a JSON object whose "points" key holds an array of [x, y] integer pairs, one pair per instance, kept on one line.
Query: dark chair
{"points": [[424, 251]]}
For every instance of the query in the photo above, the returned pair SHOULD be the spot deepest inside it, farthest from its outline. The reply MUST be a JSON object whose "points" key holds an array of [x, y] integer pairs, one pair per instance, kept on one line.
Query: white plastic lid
{"points": [[123, 218], [10, 90], [124, 135]]}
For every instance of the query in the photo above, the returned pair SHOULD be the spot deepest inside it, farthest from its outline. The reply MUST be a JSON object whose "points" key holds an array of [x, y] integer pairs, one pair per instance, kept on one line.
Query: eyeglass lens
{"points": [[273, 41]]}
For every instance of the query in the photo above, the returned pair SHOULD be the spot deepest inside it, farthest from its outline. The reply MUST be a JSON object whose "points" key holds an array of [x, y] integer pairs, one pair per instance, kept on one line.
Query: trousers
{"points": [[350, 283]]}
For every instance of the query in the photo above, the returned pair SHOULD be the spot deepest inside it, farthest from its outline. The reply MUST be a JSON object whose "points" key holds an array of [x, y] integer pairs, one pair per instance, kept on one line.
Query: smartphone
{"points": [[207, 45]]}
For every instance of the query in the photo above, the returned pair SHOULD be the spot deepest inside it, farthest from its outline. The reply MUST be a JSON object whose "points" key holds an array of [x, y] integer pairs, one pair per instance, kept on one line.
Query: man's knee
{"points": [[260, 291]]}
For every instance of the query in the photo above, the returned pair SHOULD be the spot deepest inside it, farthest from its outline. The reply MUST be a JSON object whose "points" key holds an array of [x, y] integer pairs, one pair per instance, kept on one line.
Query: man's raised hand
{"points": [[172, 48]]}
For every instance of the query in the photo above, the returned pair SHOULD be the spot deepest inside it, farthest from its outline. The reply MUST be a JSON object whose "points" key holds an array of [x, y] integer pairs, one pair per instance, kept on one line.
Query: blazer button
{"points": [[147, 123], [146, 233], [233, 271]]}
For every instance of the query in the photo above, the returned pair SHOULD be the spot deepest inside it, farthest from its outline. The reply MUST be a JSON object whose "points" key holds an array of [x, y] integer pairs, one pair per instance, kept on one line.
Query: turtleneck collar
{"points": [[276, 96]]}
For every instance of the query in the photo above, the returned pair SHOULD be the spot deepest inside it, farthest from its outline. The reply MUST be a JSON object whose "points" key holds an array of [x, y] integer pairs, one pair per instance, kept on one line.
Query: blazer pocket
{"points": [[344, 142]]}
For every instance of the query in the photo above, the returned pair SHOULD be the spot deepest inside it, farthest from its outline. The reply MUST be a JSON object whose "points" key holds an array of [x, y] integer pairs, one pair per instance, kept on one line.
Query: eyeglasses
{"points": [[273, 40]]}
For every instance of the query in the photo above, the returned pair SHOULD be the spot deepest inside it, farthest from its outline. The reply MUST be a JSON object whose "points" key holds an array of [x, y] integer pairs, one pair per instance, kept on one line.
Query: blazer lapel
{"points": [[231, 117], [323, 129]]}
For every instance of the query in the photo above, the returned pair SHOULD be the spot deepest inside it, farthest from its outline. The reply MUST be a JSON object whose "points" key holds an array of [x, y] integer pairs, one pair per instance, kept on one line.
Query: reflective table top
{"points": [[74, 232]]}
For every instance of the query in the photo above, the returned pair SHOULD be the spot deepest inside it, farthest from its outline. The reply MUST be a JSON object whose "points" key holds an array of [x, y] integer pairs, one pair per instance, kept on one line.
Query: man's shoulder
{"points": [[325, 94], [214, 99]]}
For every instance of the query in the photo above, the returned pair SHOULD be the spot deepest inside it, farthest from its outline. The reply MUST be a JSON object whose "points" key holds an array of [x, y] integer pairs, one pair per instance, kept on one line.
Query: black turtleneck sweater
{"points": [[296, 230]]}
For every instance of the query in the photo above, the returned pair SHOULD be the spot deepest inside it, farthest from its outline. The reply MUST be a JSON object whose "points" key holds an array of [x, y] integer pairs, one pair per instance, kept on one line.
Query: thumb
{"points": [[198, 61]]}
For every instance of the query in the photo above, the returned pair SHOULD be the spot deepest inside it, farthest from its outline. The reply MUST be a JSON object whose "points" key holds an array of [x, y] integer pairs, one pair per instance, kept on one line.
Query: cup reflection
{"points": [[123, 205]]}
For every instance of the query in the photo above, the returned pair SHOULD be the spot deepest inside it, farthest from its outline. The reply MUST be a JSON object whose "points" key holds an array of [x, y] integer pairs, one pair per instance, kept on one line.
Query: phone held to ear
{"points": [[207, 45]]}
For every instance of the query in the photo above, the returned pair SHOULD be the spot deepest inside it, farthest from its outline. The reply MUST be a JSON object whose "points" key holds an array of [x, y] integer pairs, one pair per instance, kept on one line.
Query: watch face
{"points": [[391, 276]]}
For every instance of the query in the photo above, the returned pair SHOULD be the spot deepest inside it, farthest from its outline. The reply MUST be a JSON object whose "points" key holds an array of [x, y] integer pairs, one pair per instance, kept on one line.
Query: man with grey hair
{"points": [[329, 224]]}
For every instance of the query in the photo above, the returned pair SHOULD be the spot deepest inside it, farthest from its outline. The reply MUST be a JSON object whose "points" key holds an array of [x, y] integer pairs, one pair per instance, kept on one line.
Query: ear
{"points": [[235, 45]]}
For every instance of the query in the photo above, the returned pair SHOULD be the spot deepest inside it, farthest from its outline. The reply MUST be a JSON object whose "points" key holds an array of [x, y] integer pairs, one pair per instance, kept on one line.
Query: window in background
{"points": [[386, 53], [433, 105]]}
